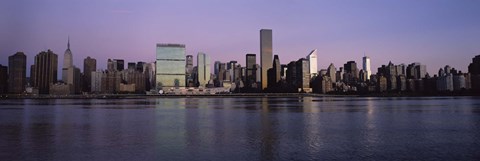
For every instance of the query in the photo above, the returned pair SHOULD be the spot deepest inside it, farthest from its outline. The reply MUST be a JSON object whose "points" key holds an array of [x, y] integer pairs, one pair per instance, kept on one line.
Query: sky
{"points": [[433, 32]]}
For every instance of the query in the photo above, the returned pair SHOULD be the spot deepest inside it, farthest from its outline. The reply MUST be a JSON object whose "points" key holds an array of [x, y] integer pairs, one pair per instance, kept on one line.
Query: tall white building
{"points": [[67, 62], [203, 67], [312, 58], [70, 73], [366, 66], [170, 66]]}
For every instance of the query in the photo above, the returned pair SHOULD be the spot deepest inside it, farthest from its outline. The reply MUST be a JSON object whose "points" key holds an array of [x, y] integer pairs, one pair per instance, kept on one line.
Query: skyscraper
{"points": [[89, 66], [170, 66], [189, 71], [312, 58], [131, 66], [216, 68], [140, 66], [276, 68], [332, 72], [221, 72], [70, 74], [292, 73], [203, 67], [474, 67], [303, 74], [46, 70], [67, 62], [251, 60], [474, 70], [366, 66], [231, 69], [110, 65], [416, 71], [119, 64], [17, 64], [351, 71], [150, 75], [265, 54]]}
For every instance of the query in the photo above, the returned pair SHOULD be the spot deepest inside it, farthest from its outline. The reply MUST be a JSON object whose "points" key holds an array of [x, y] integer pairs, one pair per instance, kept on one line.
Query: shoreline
{"points": [[243, 95], [140, 96]]}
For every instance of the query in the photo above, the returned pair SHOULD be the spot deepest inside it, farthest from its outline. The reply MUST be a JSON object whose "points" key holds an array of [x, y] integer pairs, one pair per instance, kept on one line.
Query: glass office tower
{"points": [[170, 67]]}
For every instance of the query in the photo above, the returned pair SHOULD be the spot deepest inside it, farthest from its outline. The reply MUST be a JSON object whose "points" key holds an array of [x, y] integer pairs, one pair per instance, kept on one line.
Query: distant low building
{"points": [[322, 84], [127, 88], [106, 82], [61, 89]]}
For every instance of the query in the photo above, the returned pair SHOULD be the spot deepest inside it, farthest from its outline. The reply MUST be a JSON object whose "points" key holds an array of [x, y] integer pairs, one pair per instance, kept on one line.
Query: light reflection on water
{"points": [[290, 128]]}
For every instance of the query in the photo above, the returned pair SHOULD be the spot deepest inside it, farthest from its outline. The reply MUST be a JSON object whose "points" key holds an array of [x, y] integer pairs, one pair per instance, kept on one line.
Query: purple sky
{"points": [[433, 32]]}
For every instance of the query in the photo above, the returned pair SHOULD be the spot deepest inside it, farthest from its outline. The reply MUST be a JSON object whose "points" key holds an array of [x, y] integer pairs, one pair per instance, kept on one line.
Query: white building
{"points": [[96, 85], [312, 58], [170, 66], [366, 66]]}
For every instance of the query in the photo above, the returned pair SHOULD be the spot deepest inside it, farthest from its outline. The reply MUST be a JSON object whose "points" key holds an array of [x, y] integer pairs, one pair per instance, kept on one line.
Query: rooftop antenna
{"points": [[68, 44]]}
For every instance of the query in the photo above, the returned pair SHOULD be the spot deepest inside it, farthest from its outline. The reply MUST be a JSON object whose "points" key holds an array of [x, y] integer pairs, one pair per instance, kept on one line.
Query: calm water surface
{"points": [[294, 128]]}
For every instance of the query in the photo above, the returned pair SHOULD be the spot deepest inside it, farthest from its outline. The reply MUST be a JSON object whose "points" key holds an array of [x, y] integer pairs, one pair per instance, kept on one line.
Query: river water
{"points": [[280, 128]]}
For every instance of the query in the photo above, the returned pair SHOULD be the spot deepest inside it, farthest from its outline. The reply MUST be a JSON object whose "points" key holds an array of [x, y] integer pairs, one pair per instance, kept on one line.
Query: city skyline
{"points": [[433, 33]]}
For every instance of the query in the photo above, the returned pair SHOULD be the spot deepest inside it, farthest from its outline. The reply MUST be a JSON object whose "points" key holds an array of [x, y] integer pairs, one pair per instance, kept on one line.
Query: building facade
{"points": [[89, 66], [266, 52], [67, 62], [366, 66], [312, 58], [351, 71], [251, 60], [189, 71], [277, 69], [17, 80], [46, 71], [303, 74], [203, 67], [170, 66], [474, 70]]}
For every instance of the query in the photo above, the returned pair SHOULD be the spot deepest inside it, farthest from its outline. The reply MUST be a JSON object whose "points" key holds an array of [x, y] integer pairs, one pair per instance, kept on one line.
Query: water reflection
{"points": [[290, 128], [268, 135]]}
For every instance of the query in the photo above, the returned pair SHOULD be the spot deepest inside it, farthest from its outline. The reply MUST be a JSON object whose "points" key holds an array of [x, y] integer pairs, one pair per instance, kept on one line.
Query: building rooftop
{"points": [[170, 45]]}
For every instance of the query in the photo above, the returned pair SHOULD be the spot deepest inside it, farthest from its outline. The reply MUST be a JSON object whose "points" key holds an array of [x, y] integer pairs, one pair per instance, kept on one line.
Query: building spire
{"points": [[68, 44]]}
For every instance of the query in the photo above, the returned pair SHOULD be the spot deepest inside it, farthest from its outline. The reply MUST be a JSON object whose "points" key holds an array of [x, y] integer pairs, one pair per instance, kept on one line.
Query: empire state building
{"points": [[67, 62]]}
